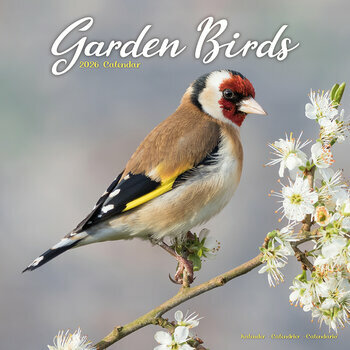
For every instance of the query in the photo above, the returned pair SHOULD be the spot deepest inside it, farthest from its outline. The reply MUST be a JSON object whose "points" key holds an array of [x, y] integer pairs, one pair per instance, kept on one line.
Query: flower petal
{"points": [[203, 234], [181, 334], [179, 316], [310, 111], [163, 338], [328, 303]]}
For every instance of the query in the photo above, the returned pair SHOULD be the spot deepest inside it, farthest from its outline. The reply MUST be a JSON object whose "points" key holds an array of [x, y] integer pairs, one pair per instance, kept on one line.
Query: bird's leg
{"points": [[184, 272]]}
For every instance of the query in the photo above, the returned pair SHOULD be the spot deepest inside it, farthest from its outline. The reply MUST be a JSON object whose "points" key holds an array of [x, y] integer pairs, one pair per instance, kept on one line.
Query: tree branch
{"points": [[306, 263], [184, 294], [307, 223]]}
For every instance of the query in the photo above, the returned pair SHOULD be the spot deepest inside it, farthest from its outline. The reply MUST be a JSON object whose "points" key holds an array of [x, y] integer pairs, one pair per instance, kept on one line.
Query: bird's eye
{"points": [[228, 94]]}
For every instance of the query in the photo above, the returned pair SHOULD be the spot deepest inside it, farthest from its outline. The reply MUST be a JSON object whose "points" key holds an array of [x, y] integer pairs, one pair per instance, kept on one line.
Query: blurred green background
{"points": [[63, 139]]}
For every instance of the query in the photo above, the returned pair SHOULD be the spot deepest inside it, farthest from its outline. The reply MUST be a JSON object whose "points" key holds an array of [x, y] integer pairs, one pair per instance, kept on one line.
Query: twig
{"points": [[184, 294], [306, 229], [306, 239], [307, 223], [303, 259]]}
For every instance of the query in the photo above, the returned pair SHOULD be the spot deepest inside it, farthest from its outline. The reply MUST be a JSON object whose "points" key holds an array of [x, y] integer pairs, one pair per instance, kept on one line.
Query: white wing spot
{"points": [[63, 242], [127, 177], [114, 193], [99, 215], [37, 261], [107, 208]]}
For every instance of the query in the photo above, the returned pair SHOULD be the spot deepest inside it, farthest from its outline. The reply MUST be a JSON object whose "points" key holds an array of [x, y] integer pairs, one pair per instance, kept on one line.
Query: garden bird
{"points": [[183, 173]]}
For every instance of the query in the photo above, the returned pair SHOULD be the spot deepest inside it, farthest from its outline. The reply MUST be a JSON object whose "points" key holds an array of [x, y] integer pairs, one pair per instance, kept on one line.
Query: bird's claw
{"points": [[185, 267], [184, 272], [171, 279]]}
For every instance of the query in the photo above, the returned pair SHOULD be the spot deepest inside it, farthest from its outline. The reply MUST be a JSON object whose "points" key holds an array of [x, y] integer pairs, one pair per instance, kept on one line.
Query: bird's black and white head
{"points": [[225, 95]]}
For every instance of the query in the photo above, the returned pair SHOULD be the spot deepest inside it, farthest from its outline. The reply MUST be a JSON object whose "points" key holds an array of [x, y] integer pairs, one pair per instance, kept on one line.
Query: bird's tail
{"points": [[65, 244]]}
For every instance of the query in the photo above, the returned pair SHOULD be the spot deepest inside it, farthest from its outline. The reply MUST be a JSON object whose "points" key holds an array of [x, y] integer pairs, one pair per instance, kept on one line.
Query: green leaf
{"points": [[310, 166], [302, 277], [272, 234], [334, 90], [339, 93], [195, 246], [197, 264], [270, 244], [178, 249]]}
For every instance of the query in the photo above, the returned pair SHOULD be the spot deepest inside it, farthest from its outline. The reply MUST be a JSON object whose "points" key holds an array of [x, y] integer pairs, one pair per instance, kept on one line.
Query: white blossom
{"points": [[286, 234], [68, 341], [334, 247], [326, 294], [274, 275], [333, 254], [346, 223], [189, 320], [343, 206], [297, 199], [210, 245], [328, 299], [332, 188], [322, 216], [329, 232], [341, 222], [334, 307], [335, 129], [176, 341], [302, 294], [275, 257], [321, 106], [321, 155], [332, 319], [289, 154]]}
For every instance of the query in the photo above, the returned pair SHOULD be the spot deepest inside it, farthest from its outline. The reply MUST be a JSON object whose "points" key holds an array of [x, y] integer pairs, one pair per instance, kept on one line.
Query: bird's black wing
{"points": [[117, 196]]}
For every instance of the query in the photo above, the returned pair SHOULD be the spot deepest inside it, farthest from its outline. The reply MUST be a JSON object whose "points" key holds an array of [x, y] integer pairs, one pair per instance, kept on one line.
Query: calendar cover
{"points": [[175, 175]]}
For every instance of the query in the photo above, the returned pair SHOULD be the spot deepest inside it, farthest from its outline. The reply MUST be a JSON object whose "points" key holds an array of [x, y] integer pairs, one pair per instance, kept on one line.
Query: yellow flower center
{"points": [[322, 217], [322, 214], [296, 198]]}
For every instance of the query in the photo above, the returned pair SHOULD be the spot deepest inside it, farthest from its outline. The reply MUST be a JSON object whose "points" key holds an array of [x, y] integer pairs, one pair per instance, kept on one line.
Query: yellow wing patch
{"points": [[164, 187], [165, 173]]}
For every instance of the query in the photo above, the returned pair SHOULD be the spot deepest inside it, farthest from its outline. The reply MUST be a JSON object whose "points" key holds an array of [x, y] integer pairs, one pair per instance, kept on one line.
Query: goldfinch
{"points": [[182, 174]]}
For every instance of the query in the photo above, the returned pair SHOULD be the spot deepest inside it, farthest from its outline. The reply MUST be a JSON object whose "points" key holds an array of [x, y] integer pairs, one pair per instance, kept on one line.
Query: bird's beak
{"points": [[249, 105]]}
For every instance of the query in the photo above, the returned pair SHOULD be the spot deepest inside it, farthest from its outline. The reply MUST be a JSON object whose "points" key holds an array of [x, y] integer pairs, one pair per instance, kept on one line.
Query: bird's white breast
{"points": [[220, 181]]}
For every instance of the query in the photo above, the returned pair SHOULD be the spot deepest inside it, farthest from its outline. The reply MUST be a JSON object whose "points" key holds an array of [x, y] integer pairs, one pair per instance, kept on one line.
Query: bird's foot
{"points": [[184, 272]]}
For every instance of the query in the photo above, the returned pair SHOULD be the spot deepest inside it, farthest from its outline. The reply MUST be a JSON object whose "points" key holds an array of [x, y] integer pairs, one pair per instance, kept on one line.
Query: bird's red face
{"points": [[234, 90], [225, 95]]}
